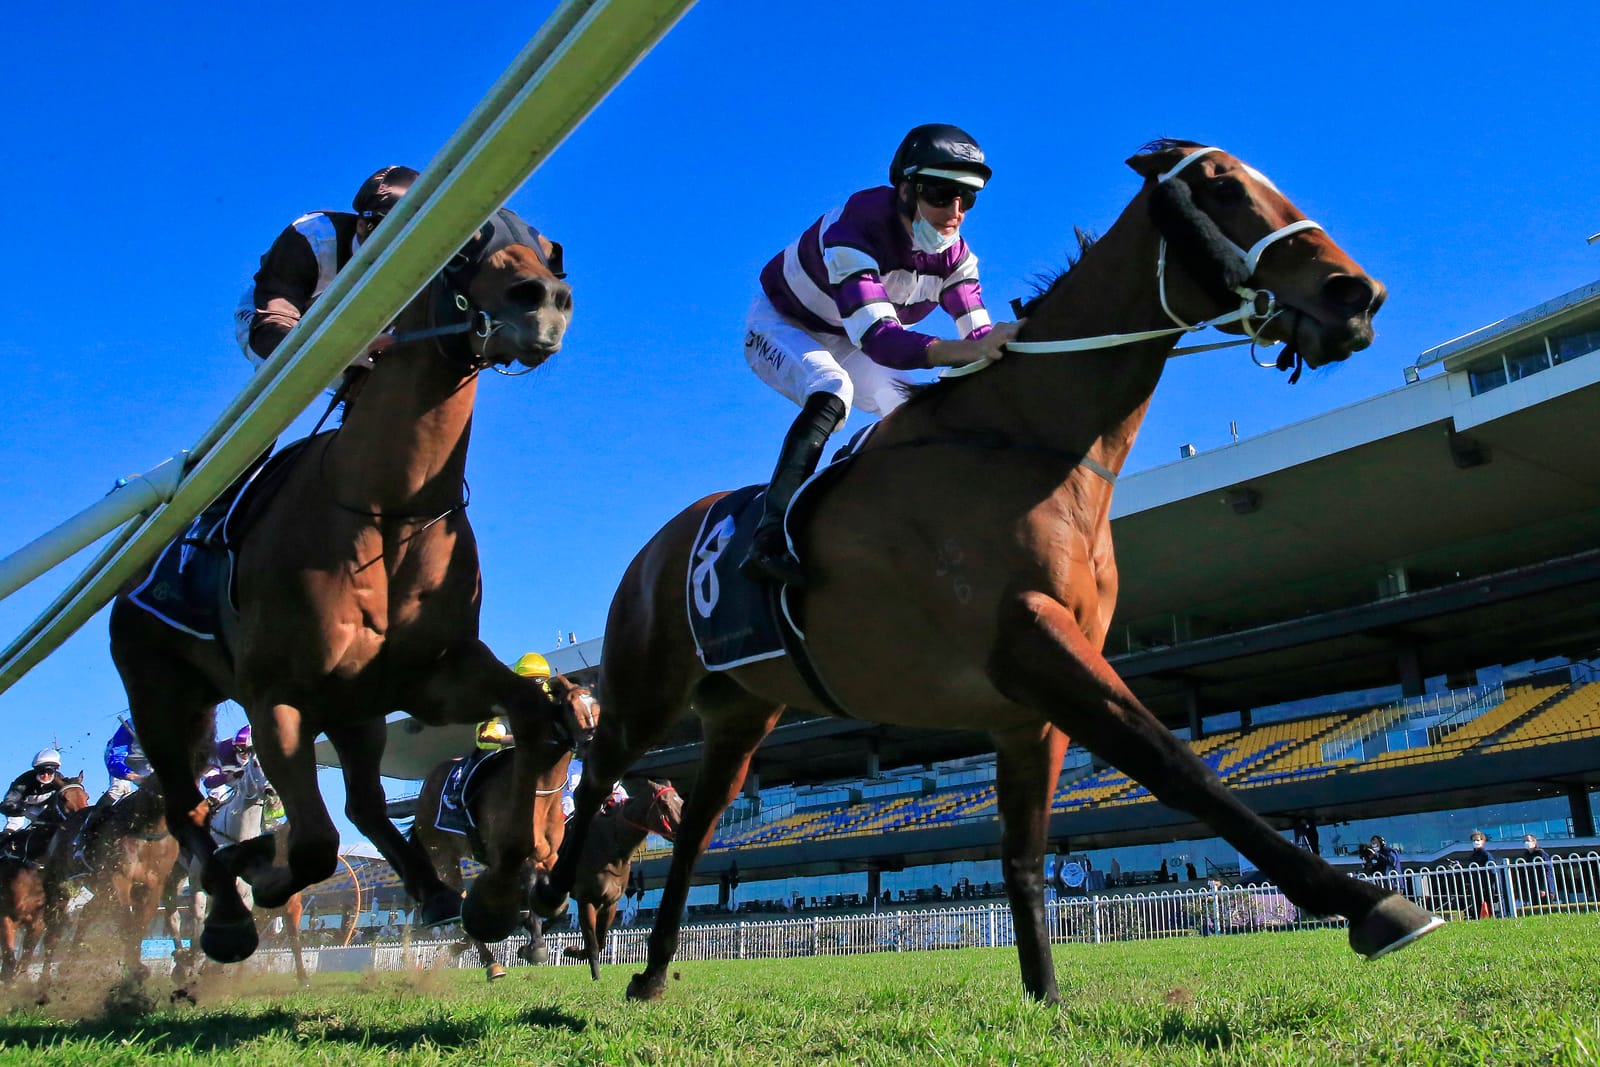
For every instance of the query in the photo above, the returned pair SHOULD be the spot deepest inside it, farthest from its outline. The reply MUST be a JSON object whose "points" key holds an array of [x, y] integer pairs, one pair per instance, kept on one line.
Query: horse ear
{"points": [[554, 257], [1154, 164]]}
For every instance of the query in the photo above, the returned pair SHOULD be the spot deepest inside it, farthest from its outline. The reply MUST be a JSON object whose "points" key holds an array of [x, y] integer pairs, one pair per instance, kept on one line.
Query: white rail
{"points": [[576, 58]]}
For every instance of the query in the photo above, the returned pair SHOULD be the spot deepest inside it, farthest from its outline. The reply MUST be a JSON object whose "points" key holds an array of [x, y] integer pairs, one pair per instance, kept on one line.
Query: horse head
{"points": [[658, 810], [509, 278], [72, 796], [577, 706], [1233, 236]]}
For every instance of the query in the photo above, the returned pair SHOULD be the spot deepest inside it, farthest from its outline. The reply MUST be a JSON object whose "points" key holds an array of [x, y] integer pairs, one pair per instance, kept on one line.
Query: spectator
{"points": [[1542, 879], [1480, 879], [1378, 857], [1189, 872], [1163, 875], [1305, 835]]}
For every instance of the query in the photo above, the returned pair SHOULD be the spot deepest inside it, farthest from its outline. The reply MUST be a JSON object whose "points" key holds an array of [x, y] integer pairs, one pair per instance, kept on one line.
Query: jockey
{"points": [[128, 766], [494, 735], [303, 260], [618, 797], [829, 325], [32, 792], [231, 759]]}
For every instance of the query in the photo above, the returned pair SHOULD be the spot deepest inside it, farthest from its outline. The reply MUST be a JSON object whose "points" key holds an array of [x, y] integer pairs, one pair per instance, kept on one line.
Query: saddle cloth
{"points": [[733, 619], [460, 792], [191, 577]]}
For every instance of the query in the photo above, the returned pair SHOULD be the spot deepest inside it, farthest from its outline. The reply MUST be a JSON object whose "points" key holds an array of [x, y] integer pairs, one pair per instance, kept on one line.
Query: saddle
{"points": [[191, 584], [460, 792], [736, 621], [29, 843]]}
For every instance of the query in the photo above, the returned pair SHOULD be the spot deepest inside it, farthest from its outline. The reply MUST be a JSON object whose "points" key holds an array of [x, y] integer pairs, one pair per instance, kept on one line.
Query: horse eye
{"points": [[1228, 190]]}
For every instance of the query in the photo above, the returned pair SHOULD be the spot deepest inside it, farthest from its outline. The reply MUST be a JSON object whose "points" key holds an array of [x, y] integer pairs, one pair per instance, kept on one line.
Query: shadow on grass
{"points": [[212, 1032]]}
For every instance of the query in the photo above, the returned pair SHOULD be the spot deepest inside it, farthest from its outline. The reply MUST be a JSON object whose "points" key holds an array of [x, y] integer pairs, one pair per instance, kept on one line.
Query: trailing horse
{"points": [[130, 856], [608, 850], [356, 593], [961, 568], [483, 818], [21, 913]]}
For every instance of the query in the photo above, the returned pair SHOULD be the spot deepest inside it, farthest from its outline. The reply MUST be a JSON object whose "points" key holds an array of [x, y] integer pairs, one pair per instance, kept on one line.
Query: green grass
{"points": [[1491, 993]]}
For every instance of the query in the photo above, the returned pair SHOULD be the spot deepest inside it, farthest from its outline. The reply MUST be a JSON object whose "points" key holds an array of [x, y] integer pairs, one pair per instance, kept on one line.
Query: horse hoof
{"points": [[575, 952], [229, 942], [545, 900], [534, 954], [443, 907], [495, 972], [1392, 924], [484, 922], [646, 987]]}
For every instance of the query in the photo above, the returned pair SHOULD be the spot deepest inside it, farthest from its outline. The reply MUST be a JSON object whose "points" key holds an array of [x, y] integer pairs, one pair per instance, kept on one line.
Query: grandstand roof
{"points": [[1426, 524]]}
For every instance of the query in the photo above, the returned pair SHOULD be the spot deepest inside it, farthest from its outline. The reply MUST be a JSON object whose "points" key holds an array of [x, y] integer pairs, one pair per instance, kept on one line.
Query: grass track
{"points": [[1492, 993]]}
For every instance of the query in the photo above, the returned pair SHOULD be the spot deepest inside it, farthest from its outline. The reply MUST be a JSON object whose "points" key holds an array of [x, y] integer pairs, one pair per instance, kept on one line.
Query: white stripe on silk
{"points": [[843, 262], [861, 320], [805, 290], [319, 233], [972, 320]]}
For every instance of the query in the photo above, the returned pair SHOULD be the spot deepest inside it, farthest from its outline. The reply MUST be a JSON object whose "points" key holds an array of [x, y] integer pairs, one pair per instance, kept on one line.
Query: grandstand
{"points": [[1329, 635]]}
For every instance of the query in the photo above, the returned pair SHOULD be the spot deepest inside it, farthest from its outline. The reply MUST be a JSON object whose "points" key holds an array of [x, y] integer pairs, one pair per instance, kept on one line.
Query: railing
{"points": [[1458, 707], [1509, 890]]}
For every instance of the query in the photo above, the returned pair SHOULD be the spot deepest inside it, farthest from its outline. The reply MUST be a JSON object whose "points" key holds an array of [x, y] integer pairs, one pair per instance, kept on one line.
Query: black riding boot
{"points": [[769, 558]]}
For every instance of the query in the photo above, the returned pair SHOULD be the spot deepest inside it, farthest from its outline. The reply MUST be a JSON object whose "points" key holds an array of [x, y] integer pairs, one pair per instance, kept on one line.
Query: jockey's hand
{"points": [[991, 346]]}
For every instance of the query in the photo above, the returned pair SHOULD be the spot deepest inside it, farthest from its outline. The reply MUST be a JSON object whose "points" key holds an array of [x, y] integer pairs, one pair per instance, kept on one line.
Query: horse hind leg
{"points": [[735, 723], [1043, 660]]}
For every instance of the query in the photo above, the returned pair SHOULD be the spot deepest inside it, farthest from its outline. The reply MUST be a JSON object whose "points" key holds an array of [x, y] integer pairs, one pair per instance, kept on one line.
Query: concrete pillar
{"points": [[872, 758], [1582, 811], [752, 782], [1191, 700], [874, 882], [1411, 680]]}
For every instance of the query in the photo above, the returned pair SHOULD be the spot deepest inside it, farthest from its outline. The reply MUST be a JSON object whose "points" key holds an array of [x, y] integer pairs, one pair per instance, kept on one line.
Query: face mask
{"points": [[926, 238]]}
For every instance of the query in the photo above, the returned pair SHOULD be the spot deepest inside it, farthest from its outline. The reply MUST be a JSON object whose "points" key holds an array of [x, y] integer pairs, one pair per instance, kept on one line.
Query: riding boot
{"points": [[769, 558]]}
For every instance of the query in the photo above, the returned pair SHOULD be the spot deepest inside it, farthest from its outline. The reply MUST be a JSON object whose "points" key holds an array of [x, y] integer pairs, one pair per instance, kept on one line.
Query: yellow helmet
{"points": [[532, 665]]}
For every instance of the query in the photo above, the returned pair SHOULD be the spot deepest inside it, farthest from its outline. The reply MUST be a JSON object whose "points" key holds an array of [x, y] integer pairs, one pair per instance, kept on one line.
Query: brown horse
{"points": [[21, 912], [493, 808], [188, 962], [359, 590], [608, 850], [961, 569], [130, 856]]}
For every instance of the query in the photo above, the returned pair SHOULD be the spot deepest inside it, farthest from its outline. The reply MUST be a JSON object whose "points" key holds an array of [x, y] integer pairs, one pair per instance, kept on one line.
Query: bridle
{"points": [[1257, 307], [658, 806]]}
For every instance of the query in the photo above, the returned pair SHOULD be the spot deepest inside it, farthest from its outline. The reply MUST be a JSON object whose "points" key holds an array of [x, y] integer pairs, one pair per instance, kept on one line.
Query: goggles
{"points": [[943, 194]]}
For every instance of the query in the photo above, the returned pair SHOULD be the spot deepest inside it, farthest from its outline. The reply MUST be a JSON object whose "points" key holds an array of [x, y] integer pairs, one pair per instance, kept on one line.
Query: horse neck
{"points": [[630, 832], [1083, 403], [403, 444]]}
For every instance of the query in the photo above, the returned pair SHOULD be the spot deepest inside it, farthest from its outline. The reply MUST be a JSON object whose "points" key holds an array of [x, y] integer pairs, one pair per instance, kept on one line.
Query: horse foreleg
{"points": [[284, 746], [1028, 763], [1043, 660], [733, 732], [360, 748], [8, 957]]}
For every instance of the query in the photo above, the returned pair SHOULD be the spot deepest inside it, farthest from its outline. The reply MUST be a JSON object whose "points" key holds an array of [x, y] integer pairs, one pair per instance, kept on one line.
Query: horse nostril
{"points": [[1350, 293]]}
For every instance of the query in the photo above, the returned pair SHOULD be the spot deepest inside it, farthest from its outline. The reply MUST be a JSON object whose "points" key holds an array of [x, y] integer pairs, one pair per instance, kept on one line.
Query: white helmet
{"points": [[48, 756]]}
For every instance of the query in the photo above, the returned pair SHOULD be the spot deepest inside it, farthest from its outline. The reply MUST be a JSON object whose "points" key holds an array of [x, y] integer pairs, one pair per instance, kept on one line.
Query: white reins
{"points": [[1254, 304]]}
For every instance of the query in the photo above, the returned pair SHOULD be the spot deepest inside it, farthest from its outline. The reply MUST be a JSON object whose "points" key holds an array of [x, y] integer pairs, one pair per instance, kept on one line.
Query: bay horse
{"points": [[130, 856], [492, 807], [961, 573], [607, 860], [21, 912], [358, 592]]}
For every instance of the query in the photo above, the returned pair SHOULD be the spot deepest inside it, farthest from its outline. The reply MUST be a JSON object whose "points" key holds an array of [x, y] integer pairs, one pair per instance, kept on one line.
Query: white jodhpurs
{"points": [[797, 363]]}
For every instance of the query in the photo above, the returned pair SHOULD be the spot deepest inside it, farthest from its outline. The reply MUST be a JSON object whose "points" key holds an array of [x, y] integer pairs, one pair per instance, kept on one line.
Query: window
{"points": [[1486, 374], [1571, 346], [1529, 359]]}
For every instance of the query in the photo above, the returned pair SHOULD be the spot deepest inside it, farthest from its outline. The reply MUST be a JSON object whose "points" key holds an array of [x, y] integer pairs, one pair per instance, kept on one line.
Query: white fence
{"points": [[1505, 890]]}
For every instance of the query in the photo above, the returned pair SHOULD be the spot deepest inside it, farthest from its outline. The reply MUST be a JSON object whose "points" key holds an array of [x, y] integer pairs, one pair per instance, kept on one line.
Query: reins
{"points": [[1257, 307]]}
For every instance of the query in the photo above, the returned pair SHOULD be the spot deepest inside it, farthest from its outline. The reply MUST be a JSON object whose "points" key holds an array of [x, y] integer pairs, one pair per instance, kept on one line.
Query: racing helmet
{"points": [[532, 665], [938, 150], [380, 193], [47, 759], [242, 738]]}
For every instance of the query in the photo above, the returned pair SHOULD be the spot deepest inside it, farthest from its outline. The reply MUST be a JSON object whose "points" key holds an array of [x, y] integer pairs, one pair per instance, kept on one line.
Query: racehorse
{"points": [[21, 912], [608, 850], [358, 590], [960, 567], [492, 807], [239, 818], [130, 856], [33, 841]]}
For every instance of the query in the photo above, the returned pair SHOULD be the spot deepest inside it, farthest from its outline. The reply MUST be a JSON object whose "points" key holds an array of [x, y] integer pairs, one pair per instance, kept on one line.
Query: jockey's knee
{"points": [[835, 381]]}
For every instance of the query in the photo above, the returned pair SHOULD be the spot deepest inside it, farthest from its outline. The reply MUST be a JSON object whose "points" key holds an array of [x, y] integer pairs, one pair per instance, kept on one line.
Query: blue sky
{"points": [[151, 153]]}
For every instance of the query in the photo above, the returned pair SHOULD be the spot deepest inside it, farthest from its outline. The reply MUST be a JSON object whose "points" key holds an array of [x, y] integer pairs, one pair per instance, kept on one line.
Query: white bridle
{"points": [[1254, 304]]}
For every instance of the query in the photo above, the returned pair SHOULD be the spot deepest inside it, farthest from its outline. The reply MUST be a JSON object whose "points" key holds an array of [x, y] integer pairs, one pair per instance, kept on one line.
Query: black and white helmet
{"points": [[939, 151], [379, 193]]}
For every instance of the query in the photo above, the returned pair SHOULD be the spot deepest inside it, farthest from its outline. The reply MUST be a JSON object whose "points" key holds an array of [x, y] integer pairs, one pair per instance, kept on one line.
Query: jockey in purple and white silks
{"points": [[830, 327]]}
